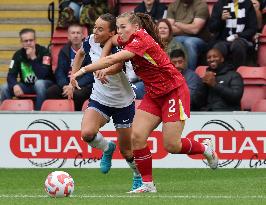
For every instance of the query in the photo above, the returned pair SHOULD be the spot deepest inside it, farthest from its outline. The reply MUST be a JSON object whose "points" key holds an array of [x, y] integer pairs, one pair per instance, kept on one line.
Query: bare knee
{"points": [[88, 134], [173, 147], [138, 141]]}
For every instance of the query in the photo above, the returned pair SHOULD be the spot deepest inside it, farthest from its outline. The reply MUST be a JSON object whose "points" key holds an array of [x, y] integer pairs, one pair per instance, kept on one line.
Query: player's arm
{"points": [[105, 62], [114, 69], [79, 57]]}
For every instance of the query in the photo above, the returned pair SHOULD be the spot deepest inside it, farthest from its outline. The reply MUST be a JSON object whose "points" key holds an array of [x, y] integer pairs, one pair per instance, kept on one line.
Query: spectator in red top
{"points": [[166, 99]]}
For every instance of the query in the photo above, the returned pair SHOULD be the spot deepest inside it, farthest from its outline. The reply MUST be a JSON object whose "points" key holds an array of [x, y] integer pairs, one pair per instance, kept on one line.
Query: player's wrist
{"points": [[83, 70]]}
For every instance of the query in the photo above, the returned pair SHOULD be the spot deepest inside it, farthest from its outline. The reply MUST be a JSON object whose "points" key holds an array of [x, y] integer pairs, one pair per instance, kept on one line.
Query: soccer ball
{"points": [[59, 184]]}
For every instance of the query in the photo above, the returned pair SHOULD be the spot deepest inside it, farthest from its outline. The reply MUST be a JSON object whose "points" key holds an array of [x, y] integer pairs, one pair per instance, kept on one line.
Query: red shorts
{"points": [[171, 107]]}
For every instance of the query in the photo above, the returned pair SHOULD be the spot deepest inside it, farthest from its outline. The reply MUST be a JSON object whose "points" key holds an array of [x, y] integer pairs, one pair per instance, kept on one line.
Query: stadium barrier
{"points": [[52, 139]]}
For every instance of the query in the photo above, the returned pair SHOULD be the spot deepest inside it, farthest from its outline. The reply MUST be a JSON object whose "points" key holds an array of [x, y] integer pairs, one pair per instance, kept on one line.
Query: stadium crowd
{"points": [[231, 31]]}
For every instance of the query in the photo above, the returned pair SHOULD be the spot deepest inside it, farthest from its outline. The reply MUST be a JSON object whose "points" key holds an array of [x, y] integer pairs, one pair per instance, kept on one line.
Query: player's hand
{"points": [[74, 82], [68, 91], [225, 15], [209, 78], [101, 75], [31, 52], [17, 91]]}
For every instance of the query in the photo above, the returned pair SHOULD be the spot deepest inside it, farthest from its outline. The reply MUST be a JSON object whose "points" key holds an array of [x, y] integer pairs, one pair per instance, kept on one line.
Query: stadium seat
{"points": [[85, 105], [58, 105], [55, 49], [253, 75], [254, 85], [210, 4], [200, 70], [259, 106], [17, 105], [262, 48], [252, 93]]}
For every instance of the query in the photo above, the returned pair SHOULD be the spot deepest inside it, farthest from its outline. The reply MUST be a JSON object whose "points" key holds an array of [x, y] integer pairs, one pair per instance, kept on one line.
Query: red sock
{"points": [[143, 161], [190, 146]]}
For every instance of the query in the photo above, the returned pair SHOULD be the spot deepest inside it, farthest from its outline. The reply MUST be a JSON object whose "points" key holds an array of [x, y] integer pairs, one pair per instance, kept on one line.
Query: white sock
{"points": [[134, 168], [99, 142]]}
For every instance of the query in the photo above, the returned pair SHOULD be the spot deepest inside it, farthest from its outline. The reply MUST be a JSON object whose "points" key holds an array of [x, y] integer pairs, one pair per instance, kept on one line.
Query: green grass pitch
{"points": [[174, 186]]}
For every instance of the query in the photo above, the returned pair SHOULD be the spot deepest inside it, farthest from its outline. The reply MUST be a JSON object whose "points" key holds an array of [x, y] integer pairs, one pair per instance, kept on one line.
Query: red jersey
{"points": [[152, 64]]}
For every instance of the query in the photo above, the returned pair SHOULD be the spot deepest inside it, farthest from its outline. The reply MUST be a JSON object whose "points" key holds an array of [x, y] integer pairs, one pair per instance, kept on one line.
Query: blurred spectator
{"points": [[258, 11], [154, 8], [65, 60], [84, 12], [262, 5], [69, 12], [166, 33], [136, 83], [188, 19], [234, 26], [194, 82], [224, 87], [32, 65]]}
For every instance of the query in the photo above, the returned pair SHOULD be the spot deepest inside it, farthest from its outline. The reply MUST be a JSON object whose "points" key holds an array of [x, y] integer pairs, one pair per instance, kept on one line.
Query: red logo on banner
{"points": [[68, 144], [233, 144]]}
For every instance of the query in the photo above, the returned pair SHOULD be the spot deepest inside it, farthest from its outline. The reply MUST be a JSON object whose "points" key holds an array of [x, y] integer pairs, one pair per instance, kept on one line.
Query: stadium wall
{"points": [[52, 140]]}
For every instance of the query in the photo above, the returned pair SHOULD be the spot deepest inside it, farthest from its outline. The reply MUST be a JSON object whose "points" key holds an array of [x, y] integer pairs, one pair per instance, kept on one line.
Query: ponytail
{"points": [[145, 21], [152, 29]]}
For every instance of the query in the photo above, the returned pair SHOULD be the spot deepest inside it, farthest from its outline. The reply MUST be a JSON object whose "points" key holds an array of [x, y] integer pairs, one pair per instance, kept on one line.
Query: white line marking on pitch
{"points": [[142, 196]]}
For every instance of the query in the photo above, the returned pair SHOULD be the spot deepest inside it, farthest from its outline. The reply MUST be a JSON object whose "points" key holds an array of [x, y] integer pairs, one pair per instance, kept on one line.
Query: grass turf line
{"points": [[175, 186]]}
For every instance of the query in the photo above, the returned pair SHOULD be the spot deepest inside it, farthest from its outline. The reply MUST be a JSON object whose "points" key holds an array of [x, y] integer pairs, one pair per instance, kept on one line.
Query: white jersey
{"points": [[117, 92]]}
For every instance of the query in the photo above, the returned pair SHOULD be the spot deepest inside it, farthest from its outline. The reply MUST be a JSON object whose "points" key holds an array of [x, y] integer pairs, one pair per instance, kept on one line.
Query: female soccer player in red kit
{"points": [[167, 96]]}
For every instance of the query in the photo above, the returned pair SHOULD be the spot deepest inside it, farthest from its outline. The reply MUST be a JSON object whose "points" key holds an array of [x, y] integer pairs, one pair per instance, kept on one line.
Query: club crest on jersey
{"points": [[46, 60]]}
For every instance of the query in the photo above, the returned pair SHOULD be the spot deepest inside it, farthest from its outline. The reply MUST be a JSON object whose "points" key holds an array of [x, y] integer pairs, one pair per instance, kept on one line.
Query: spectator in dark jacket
{"points": [[154, 8], [65, 60], [234, 27], [32, 65], [224, 86], [194, 82]]}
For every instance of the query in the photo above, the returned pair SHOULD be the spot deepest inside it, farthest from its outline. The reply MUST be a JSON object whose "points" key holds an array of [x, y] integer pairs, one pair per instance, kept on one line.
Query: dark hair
{"points": [[166, 21], [222, 53], [111, 19], [144, 21], [177, 53], [27, 30]]}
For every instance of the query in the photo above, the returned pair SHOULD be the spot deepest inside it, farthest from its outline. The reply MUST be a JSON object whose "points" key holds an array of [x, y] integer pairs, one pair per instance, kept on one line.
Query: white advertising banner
{"points": [[39, 139]]}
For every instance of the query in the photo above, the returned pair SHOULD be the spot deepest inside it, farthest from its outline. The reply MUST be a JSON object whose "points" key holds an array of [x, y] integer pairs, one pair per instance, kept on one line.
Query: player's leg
{"points": [[93, 119], [174, 144], [147, 118], [175, 110], [123, 118], [125, 146]]}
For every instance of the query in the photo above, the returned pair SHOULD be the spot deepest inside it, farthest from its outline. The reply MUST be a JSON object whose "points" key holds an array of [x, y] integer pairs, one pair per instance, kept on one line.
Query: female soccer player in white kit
{"points": [[113, 99]]}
